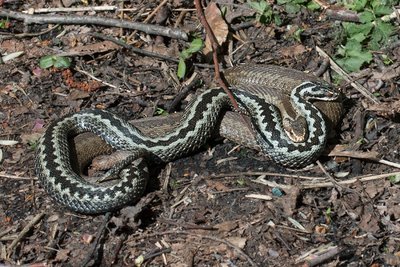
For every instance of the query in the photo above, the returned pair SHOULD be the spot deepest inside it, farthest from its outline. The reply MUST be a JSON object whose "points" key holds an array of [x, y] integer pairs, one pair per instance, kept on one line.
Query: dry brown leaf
{"points": [[293, 51], [238, 241], [91, 49], [217, 186], [226, 226], [217, 24], [386, 109]]}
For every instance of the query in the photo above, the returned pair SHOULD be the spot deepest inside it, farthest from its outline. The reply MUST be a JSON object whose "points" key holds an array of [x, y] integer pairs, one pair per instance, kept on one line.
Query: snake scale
{"points": [[290, 111]]}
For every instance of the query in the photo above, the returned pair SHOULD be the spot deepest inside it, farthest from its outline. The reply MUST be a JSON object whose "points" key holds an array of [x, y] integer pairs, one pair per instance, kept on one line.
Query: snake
{"points": [[274, 98]]}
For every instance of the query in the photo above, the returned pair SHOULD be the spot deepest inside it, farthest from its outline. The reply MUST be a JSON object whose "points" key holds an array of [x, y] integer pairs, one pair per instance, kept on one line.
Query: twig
{"points": [[152, 14], [362, 155], [9, 176], [71, 19], [217, 73], [229, 244], [295, 176], [182, 93], [333, 181], [143, 52], [214, 46], [95, 78], [343, 15], [319, 255], [71, 9], [347, 78], [350, 181], [24, 231], [99, 235], [156, 253], [27, 34]]}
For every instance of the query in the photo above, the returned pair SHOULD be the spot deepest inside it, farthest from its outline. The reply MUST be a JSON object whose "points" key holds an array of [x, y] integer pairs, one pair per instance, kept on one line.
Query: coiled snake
{"points": [[288, 127]]}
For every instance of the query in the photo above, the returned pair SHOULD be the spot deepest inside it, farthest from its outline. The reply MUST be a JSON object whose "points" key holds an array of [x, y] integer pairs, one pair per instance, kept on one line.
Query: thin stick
{"points": [[71, 19], [229, 244], [9, 176], [24, 231], [71, 9], [214, 46]]}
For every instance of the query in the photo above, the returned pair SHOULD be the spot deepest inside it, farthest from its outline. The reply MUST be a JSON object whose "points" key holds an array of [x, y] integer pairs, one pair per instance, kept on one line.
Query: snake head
{"points": [[295, 129], [314, 91]]}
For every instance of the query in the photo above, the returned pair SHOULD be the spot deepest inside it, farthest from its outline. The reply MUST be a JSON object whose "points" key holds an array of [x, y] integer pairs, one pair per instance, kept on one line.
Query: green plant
{"points": [[241, 181], [160, 112], [328, 215], [264, 12], [59, 62], [370, 34], [195, 46], [5, 24], [294, 6], [394, 179], [33, 144]]}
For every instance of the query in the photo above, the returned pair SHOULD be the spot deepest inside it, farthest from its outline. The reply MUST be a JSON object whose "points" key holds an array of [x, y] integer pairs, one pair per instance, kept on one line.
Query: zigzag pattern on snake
{"points": [[198, 123]]}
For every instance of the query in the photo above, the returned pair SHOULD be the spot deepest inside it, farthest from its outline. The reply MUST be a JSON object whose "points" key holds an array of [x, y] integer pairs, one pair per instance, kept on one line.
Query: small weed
{"points": [[370, 34], [294, 6], [195, 46], [58, 62], [5, 24], [160, 112], [33, 144], [264, 12], [241, 181]]}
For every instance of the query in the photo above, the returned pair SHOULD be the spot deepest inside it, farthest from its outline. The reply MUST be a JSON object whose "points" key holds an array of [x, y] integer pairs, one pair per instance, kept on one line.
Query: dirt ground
{"points": [[223, 206]]}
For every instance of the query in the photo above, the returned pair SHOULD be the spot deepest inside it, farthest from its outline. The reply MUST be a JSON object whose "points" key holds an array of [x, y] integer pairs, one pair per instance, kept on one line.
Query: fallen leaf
{"points": [[226, 226], [238, 241], [217, 24], [90, 49], [293, 51]]}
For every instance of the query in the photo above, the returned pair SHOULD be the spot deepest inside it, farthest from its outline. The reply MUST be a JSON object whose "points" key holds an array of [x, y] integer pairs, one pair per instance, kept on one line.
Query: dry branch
{"points": [[71, 19]]}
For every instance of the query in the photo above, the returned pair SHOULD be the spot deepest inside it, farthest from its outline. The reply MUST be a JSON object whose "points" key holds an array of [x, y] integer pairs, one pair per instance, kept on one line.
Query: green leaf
{"points": [[54, 61], [381, 10], [62, 62], [394, 179], [359, 37], [181, 68], [357, 5], [46, 62], [195, 46], [353, 56], [313, 6], [277, 20], [355, 60], [258, 6], [352, 28], [366, 16], [292, 8]]}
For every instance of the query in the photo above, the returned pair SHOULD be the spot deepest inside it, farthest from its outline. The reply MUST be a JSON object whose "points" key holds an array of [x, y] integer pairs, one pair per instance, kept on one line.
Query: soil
{"points": [[225, 205]]}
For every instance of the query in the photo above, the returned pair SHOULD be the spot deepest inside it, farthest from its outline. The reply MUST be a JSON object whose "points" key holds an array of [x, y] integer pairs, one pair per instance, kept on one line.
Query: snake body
{"points": [[59, 178]]}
